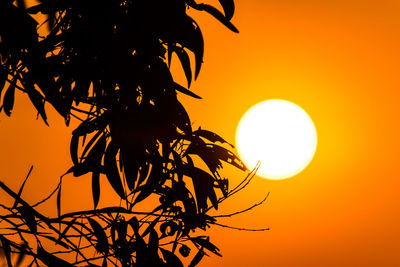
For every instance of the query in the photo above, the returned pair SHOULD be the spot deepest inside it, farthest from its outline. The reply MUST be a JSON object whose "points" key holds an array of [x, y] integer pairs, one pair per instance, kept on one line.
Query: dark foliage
{"points": [[106, 63]]}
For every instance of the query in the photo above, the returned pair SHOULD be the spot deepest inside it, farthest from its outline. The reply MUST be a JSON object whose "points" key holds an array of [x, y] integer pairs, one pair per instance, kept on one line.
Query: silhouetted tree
{"points": [[106, 63]]}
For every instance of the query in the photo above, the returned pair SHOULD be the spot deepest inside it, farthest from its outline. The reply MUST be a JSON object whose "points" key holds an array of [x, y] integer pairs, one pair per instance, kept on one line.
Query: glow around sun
{"points": [[280, 135]]}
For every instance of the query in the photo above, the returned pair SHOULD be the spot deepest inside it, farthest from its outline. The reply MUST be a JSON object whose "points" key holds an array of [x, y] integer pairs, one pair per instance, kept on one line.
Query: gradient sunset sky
{"points": [[338, 60]]}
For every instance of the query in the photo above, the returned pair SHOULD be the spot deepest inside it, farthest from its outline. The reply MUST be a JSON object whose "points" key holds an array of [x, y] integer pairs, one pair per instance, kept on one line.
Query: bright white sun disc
{"points": [[280, 135]]}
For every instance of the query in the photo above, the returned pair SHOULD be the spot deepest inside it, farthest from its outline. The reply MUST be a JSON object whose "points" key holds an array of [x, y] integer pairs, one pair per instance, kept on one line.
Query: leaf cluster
{"points": [[106, 63]]}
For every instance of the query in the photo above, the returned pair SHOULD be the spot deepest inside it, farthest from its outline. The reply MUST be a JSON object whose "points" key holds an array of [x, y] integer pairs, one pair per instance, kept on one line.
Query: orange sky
{"points": [[339, 60]]}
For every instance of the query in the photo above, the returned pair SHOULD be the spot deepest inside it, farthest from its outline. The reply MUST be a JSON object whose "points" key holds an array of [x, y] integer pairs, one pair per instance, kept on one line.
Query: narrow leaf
{"points": [[170, 258], [96, 188], [102, 243], [8, 101], [182, 89], [197, 258], [229, 8], [59, 201], [185, 62], [111, 169], [22, 187], [213, 137], [219, 16], [38, 101]]}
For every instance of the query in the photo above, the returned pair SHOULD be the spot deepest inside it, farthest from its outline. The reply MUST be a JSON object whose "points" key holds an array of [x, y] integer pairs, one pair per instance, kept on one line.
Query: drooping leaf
{"points": [[111, 169], [229, 8], [152, 182], [3, 78], [102, 244], [170, 258], [130, 166], [191, 38], [96, 188], [185, 62], [203, 185], [213, 137], [153, 243], [22, 187], [205, 243], [36, 9], [200, 148], [96, 151], [8, 101], [73, 148], [227, 156], [59, 201], [218, 15], [182, 89], [197, 258]]}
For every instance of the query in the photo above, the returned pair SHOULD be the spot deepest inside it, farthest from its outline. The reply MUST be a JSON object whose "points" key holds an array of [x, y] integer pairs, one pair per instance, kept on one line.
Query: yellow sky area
{"points": [[339, 61]]}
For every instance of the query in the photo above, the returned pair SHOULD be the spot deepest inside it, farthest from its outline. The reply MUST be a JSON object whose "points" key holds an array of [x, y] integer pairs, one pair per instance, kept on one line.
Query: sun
{"points": [[279, 134]]}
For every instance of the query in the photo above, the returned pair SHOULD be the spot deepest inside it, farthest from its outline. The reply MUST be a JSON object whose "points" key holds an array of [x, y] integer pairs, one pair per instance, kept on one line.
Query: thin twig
{"points": [[245, 210], [242, 229]]}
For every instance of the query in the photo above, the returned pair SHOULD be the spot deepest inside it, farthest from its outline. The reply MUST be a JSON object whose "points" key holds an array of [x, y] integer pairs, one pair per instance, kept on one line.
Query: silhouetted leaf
{"points": [[74, 148], [59, 201], [197, 258], [218, 15], [96, 188], [152, 182], [200, 148], [170, 258], [8, 101], [7, 249], [213, 137], [153, 243], [143, 172], [3, 78], [184, 58], [36, 9], [38, 101], [130, 166], [229, 8], [102, 243], [182, 89], [99, 150], [50, 259], [192, 39], [205, 243], [111, 169], [22, 187], [227, 156], [203, 185]]}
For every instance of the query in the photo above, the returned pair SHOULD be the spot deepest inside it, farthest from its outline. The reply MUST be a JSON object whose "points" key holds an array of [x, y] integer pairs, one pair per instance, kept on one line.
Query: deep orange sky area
{"points": [[340, 61]]}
